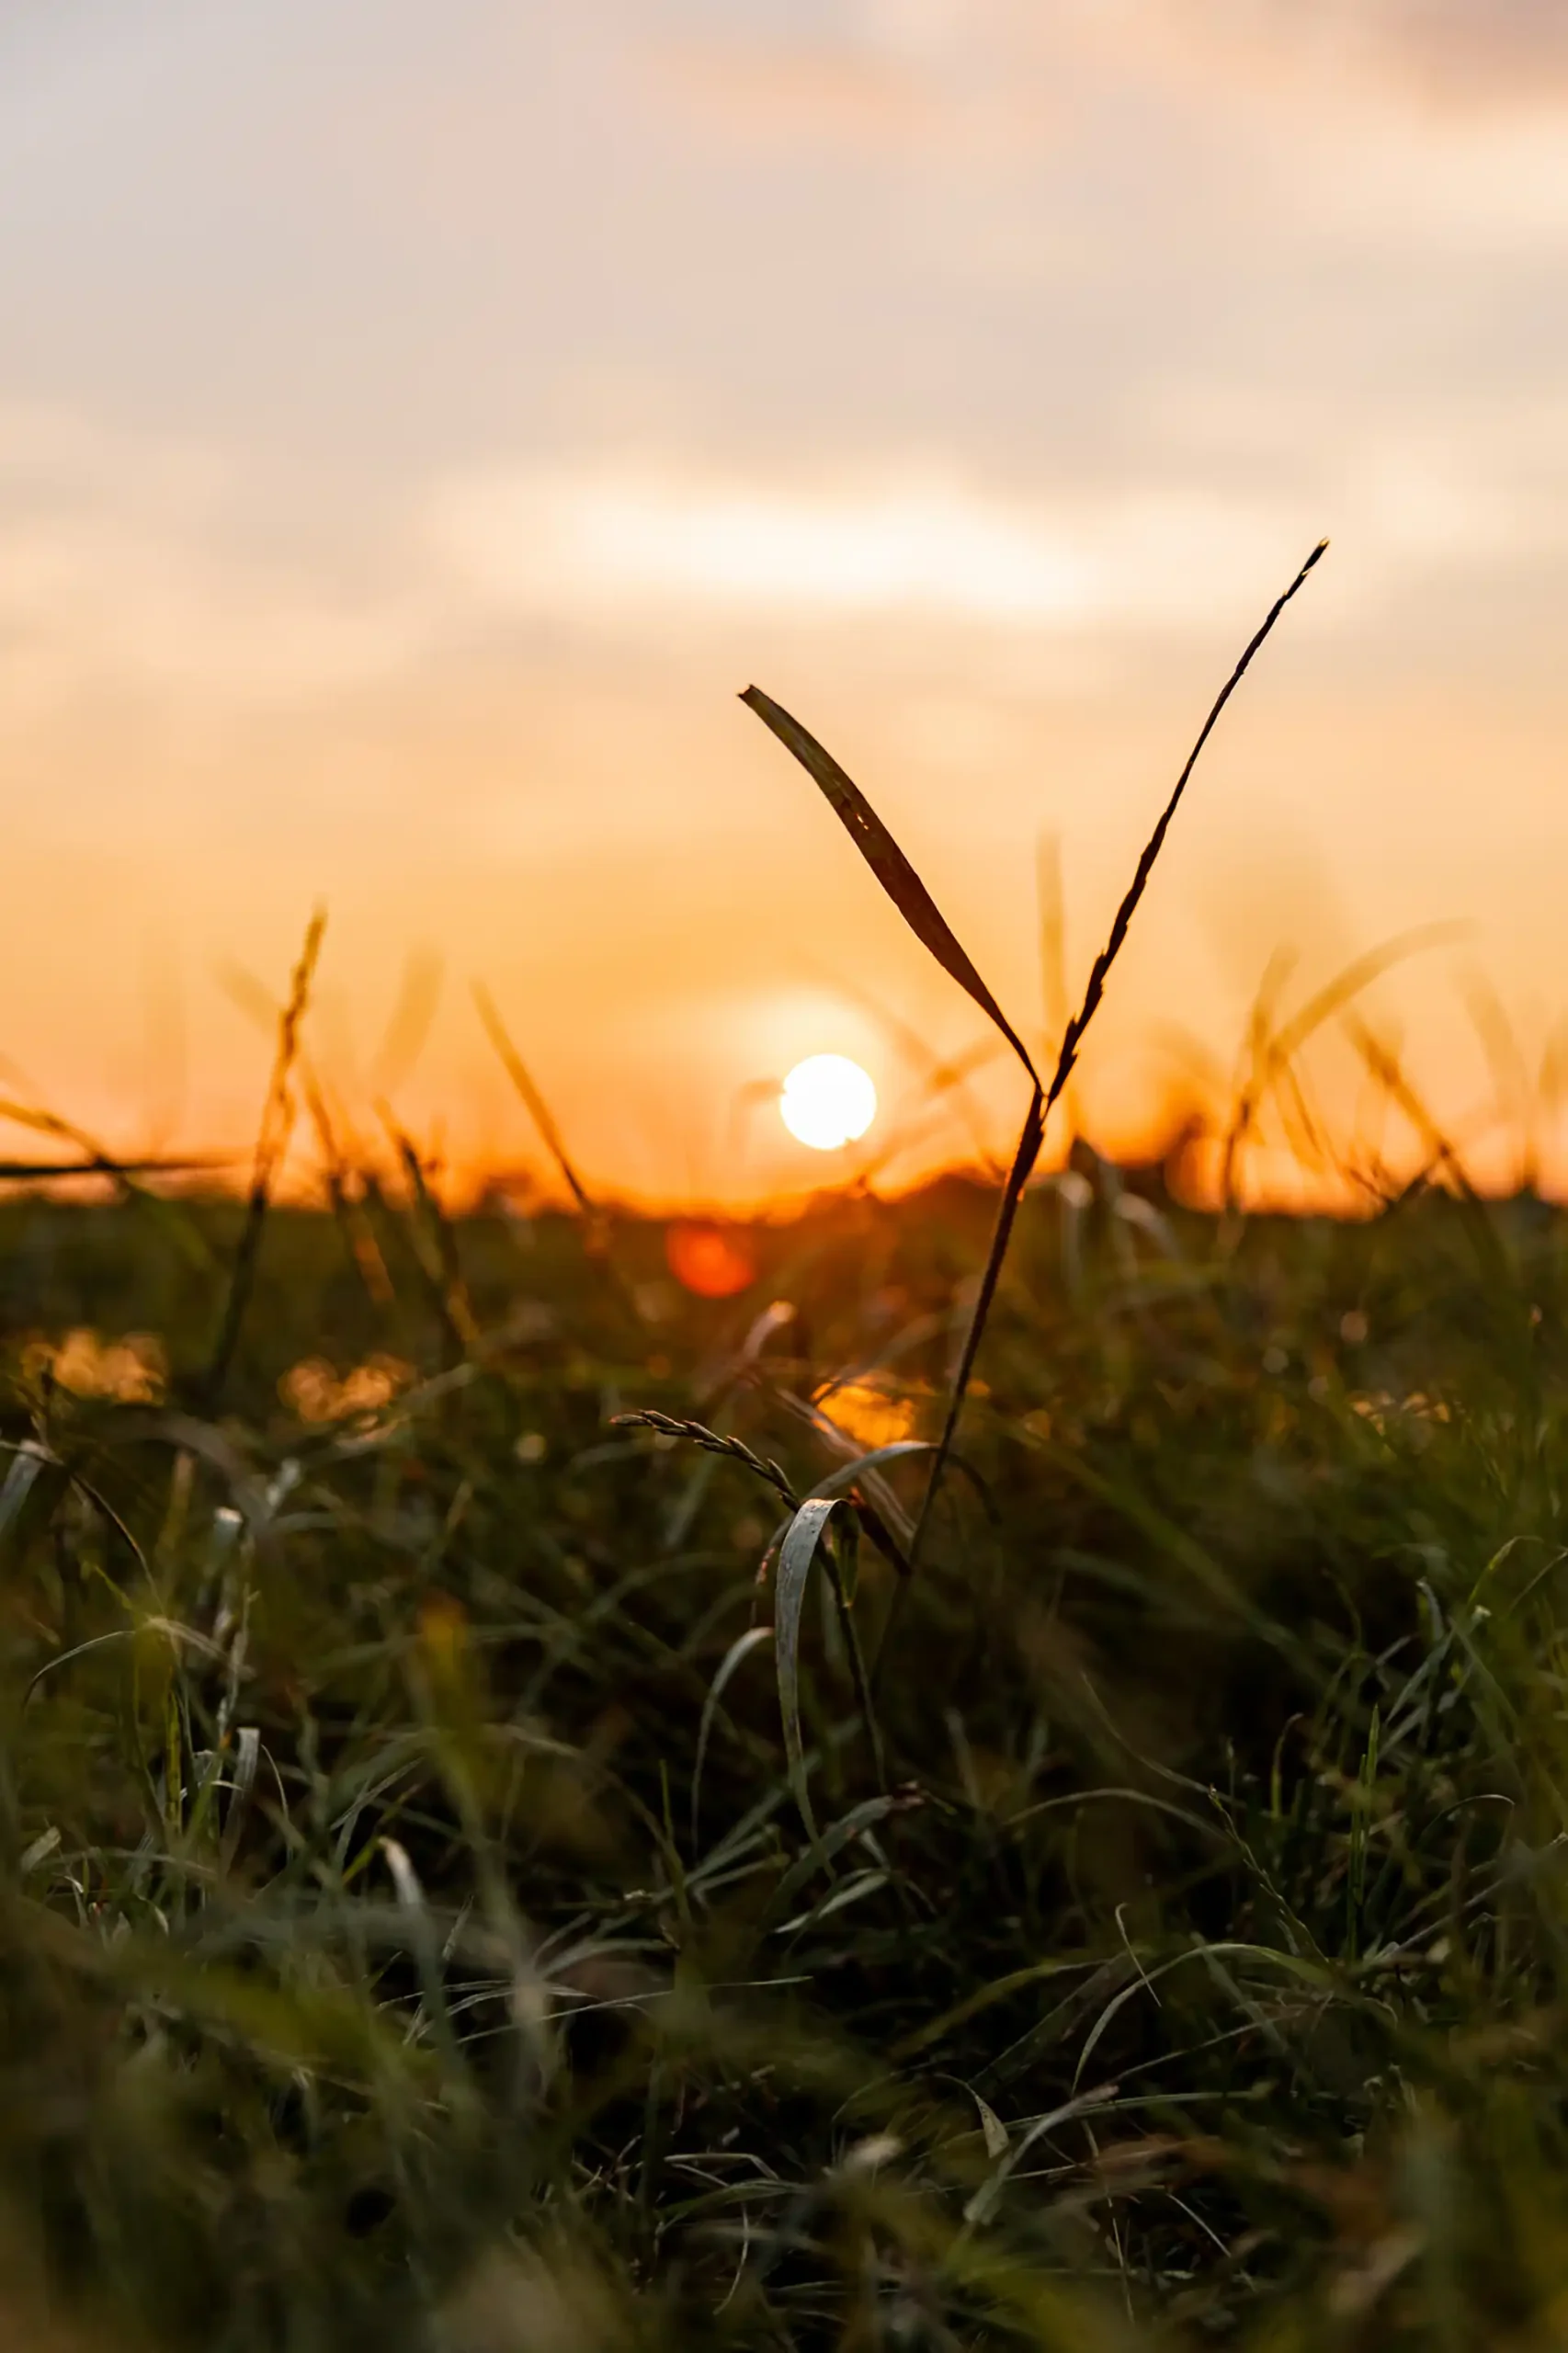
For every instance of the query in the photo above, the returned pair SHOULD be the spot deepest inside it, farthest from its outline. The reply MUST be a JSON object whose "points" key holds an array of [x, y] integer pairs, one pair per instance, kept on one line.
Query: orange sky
{"points": [[416, 424]]}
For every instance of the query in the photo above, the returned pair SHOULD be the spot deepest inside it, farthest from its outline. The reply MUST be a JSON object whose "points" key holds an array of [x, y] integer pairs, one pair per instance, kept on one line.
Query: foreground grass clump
{"points": [[410, 1933]]}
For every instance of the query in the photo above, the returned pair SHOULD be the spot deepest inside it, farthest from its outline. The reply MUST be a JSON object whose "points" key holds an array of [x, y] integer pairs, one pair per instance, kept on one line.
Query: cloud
{"points": [[130, 565], [908, 71], [130, 562], [600, 542], [608, 543], [1463, 52]]}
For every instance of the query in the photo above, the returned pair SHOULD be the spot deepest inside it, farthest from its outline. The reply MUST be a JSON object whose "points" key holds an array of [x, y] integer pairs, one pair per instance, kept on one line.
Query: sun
{"points": [[827, 1101]]}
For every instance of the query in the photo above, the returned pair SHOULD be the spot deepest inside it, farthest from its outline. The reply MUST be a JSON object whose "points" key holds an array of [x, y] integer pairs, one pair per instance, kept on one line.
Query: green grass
{"points": [[1181, 1961]]}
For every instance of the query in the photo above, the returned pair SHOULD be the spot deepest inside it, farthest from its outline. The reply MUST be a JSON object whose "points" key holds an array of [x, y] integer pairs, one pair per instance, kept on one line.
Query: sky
{"points": [[417, 423]]}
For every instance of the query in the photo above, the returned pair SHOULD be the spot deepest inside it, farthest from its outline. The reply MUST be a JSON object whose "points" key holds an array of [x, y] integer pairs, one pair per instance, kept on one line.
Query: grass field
{"points": [[967, 1793], [412, 1931]]}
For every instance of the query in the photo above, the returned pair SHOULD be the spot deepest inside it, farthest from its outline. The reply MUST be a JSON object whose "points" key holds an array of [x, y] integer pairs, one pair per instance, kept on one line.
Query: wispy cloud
{"points": [[132, 563], [608, 541], [1467, 53]]}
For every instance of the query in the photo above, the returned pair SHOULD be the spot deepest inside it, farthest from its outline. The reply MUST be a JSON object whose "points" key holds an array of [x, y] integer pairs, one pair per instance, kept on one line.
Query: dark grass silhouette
{"points": [[919, 910]]}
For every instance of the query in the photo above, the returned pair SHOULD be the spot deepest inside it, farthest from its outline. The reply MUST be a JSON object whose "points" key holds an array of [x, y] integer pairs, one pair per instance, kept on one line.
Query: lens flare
{"points": [[827, 1101], [708, 1260]]}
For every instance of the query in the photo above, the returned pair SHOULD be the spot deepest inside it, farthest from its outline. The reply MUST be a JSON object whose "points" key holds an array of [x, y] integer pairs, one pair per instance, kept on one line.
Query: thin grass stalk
{"points": [[35, 1172], [434, 1250], [276, 1124], [1156, 841], [1273, 1051], [915, 903], [363, 1250], [1039, 1111], [839, 1558], [95, 1160], [538, 1109]]}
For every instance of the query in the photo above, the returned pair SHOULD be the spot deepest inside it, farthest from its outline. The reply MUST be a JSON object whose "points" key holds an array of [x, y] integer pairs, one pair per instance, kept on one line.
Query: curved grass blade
{"points": [[855, 1824], [272, 1143], [26, 1464], [1276, 1048], [1306, 1973], [886, 860], [425, 1942], [881, 1516], [1018, 1176], [982, 2205], [919, 910], [740, 1650], [1156, 841], [849, 1475], [408, 1027], [187, 1237], [538, 1109], [795, 1557], [930, 927], [35, 1171]]}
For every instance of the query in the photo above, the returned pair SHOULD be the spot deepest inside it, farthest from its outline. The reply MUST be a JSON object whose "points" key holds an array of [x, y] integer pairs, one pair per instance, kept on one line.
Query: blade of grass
{"points": [[35, 1171], [276, 1121], [796, 1555], [171, 1216], [348, 1206], [538, 1109], [740, 1650], [919, 910], [434, 1249], [408, 1028], [925, 918], [886, 860], [1275, 1049], [1156, 841], [1052, 938]]}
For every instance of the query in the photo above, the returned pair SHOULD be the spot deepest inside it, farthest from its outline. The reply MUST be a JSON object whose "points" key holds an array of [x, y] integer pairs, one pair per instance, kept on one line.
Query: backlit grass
{"points": [[1180, 1957]]}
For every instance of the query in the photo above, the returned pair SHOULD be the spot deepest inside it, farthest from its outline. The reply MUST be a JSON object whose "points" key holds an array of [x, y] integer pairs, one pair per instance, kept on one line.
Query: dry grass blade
{"points": [[919, 910], [1385, 1067], [1040, 1110], [97, 1162], [409, 1027], [434, 1249], [276, 1121], [538, 1109], [1275, 1050], [886, 860], [1156, 841], [712, 1442], [930, 927], [348, 1204], [1018, 1176], [37, 1171]]}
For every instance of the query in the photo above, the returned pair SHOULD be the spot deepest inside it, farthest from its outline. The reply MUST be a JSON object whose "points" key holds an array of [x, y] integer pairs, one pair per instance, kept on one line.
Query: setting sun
{"points": [[827, 1101]]}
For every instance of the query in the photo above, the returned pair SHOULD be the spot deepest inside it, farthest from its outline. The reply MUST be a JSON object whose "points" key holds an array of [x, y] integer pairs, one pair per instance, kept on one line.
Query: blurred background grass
{"points": [[409, 1929]]}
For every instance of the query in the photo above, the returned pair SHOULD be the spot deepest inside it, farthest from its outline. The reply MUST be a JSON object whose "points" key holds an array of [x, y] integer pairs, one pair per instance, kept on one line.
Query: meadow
{"points": [[413, 1929], [999, 1785]]}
